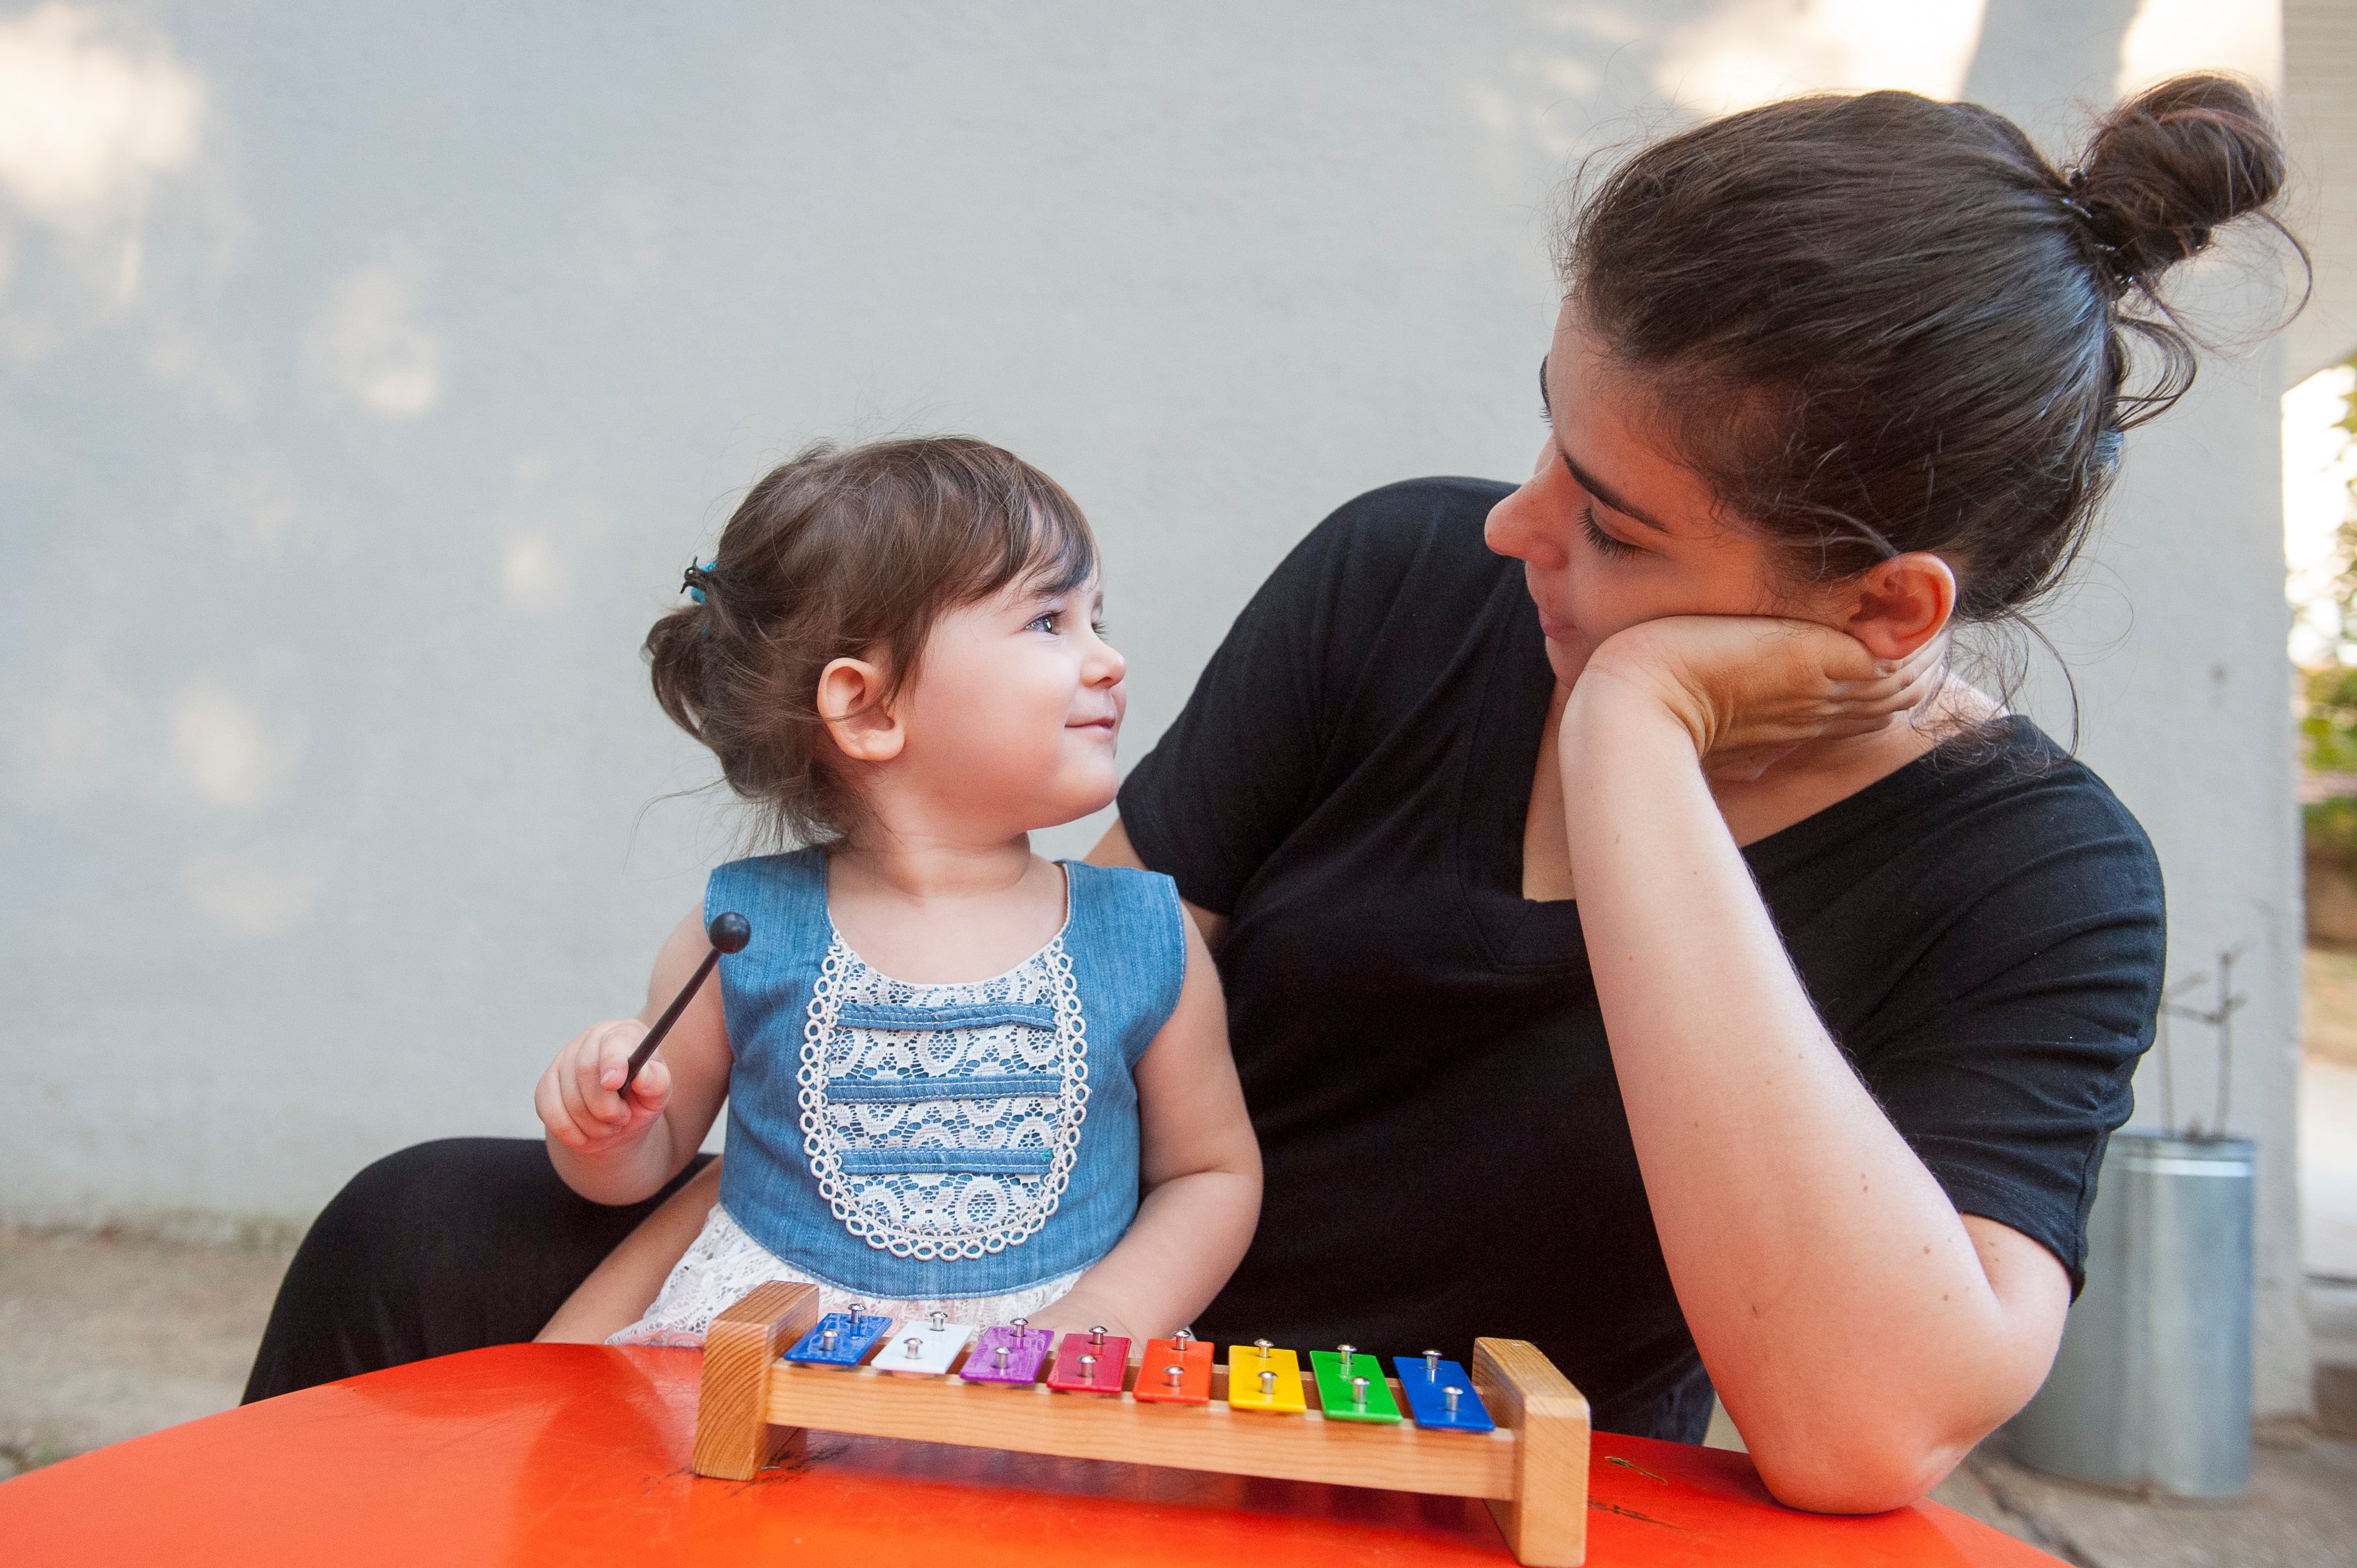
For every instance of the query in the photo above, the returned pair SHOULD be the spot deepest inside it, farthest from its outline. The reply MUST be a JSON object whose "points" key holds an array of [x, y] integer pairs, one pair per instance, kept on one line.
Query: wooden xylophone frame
{"points": [[1531, 1471]]}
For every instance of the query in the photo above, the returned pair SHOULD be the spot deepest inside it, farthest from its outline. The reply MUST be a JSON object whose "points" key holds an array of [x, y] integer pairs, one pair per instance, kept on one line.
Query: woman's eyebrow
{"points": [[1611, 497]]}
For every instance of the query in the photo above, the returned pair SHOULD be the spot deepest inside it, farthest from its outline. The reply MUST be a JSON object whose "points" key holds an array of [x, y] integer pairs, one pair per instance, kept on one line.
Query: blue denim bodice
{"points": [[939, 1141]]}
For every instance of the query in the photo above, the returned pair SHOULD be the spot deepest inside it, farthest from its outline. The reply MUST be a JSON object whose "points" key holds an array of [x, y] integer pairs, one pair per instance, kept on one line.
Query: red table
{"points": [[578, 1456]]}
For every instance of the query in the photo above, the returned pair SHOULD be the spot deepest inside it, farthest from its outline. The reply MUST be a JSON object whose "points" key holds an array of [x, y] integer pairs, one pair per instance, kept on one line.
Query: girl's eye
{"points": [[1042, 623], [1604, 542]]}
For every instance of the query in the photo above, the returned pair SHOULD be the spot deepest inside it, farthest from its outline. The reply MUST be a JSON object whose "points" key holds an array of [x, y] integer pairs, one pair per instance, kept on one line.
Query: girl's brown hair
{"points": [[1879, 324], [846, 552]]}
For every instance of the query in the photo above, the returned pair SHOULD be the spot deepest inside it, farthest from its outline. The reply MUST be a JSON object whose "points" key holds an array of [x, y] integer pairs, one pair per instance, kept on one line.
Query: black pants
{"points": [[447, 1246]]}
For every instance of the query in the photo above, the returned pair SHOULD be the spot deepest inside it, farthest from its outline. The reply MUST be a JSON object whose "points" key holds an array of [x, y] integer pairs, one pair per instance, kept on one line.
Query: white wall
{"points": [[367, 378], [2321, 110]]}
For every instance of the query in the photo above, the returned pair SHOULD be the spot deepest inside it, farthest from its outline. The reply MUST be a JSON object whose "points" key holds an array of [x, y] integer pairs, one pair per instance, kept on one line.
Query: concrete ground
{"points": [[106, 1337], [103, 1337]]}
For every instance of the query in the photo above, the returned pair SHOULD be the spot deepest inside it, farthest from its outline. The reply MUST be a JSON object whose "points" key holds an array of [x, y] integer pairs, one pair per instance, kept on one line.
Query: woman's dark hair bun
{"points": [[2166, 167]]}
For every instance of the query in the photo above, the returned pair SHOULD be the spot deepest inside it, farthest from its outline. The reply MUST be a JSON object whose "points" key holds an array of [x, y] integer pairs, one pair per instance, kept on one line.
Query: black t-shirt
{"points": [[1421, 1048]]}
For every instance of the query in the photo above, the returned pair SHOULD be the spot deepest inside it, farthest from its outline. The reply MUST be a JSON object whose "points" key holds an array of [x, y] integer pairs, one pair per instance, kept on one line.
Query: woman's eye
{"points": [[1602, 539]]}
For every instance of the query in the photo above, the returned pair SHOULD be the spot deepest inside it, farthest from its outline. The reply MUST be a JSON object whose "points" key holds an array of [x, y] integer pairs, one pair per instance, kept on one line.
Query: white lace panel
{"points": [[943, 1142], [725, 1263]]}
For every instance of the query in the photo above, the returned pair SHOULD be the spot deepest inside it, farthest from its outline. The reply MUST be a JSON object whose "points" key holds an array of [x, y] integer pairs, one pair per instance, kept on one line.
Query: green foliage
{"points": [[2329, 731], [2327, 726], [2330, 828]]}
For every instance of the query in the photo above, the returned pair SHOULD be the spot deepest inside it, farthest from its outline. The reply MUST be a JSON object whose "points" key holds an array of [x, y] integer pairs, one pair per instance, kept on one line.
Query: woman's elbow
{"points": [[1850, 1463], [1855, 1478]]}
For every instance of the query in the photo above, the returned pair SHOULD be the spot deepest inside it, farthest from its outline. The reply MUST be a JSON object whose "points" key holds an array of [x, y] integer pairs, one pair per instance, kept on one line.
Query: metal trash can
{"points": [[2151, 1391]]}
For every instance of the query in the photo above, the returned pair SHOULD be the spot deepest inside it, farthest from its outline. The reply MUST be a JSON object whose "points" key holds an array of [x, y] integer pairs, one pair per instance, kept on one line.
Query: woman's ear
{"points": [[1902, 603], [851, 701]]}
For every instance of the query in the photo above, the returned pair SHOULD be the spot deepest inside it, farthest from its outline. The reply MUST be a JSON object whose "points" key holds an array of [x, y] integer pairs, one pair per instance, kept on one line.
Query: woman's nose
{"points": [[1517, 526]]}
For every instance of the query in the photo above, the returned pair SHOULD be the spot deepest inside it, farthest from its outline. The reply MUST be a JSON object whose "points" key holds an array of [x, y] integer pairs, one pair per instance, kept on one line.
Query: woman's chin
{"points": [[1567, 658]]}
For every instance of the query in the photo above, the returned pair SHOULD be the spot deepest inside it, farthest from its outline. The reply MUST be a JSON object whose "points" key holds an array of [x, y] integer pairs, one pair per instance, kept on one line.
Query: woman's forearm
{"points": [[1833, 1290]]}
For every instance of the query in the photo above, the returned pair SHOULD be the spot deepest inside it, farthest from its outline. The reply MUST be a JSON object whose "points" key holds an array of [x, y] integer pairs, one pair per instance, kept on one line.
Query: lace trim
{"points": [[725, 1263], [951, 1213]]}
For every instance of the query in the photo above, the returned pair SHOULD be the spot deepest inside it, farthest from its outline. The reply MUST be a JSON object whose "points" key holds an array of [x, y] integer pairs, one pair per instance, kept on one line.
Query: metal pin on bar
{"points": [[941, 1321], [1267, 1384], [1451, 1394], [1432, 1365], [1184, 1336], [1096, 1335], [1358, 1393], [1178, 1375], [826, 1339], [916, 1346]]}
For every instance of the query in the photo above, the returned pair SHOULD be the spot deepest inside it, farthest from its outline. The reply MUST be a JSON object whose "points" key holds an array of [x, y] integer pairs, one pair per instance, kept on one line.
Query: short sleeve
{"points": [[2005, 1052], [1241, 767]]}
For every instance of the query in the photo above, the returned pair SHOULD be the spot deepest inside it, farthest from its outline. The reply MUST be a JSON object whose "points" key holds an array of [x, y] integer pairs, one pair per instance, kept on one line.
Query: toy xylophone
{"points": [[1512, 1430]]}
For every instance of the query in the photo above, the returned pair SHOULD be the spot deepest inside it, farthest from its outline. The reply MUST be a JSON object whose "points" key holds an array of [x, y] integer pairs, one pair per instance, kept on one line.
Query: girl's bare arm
{"points": [[613, 1147], [1200, 1167], [620, 1290]]}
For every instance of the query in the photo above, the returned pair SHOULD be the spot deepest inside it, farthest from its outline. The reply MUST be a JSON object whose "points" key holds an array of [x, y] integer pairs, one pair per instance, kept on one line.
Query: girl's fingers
{"points": [[572, 1116], [653, 1085], [550, 1106], [614, 1064], [575, 1103], [599, 1075]]}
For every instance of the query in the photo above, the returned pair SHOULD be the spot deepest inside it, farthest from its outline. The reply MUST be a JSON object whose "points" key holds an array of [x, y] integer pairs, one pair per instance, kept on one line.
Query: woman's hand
{"points": [[1750, 689], [580, 1099]]}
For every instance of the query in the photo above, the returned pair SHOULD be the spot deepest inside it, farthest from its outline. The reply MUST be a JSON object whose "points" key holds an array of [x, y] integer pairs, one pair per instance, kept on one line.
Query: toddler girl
{"points": [[959, 1078]]}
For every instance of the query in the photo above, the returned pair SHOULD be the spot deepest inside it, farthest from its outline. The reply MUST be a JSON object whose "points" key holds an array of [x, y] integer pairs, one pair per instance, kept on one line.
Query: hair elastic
{"points": [[2069, 198]]}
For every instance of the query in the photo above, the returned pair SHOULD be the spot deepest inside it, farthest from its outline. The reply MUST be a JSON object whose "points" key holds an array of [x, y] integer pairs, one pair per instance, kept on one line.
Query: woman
{"points": [[1636, 939]]}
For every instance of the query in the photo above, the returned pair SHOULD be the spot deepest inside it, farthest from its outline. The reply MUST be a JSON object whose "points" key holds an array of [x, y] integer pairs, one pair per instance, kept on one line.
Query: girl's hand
{"points": [[1072, 1314], [1750, 689], [579, 1097]]}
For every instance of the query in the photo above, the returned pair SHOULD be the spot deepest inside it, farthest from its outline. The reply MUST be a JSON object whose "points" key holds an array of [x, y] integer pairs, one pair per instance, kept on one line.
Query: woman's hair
{"points": [[846, 552], [1878, 323]]}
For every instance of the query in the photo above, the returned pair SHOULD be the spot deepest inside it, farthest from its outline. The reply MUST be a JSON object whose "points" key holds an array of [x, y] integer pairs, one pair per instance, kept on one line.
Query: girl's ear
{"points": [[1902, 603], [850, 699]]}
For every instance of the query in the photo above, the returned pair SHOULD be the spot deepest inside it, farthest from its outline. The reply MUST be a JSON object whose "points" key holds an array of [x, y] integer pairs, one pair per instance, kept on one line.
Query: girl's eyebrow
{"points": [[1611, 497]]}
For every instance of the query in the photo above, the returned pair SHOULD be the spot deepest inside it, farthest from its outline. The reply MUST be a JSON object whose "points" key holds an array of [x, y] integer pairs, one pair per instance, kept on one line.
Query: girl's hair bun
{"points": [[2171, 164]]}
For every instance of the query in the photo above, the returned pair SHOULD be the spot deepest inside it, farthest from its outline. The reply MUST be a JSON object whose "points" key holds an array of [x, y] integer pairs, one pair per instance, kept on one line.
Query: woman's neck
{"points": [[1815, 776], [1797, 787]]}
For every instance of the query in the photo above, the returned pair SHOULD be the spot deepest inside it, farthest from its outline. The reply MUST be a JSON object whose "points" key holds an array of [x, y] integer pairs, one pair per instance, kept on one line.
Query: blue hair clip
{"points": [[697, 569]]}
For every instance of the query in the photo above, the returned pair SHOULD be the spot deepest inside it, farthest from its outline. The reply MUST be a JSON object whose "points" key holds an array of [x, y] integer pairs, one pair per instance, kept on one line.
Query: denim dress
{"points": [[926, 1144]]}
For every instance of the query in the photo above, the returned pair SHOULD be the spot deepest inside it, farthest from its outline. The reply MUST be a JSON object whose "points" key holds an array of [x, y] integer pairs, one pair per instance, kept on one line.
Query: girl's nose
{"points": [[1104, 665]]}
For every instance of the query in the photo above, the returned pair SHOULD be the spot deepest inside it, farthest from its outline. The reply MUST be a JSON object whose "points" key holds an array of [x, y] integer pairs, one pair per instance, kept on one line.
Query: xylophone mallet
{"points": [[728, 932]]}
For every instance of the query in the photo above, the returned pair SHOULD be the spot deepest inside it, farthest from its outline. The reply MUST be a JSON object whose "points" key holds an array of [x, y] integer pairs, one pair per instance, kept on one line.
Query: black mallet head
{"points": [[729, 931]]}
